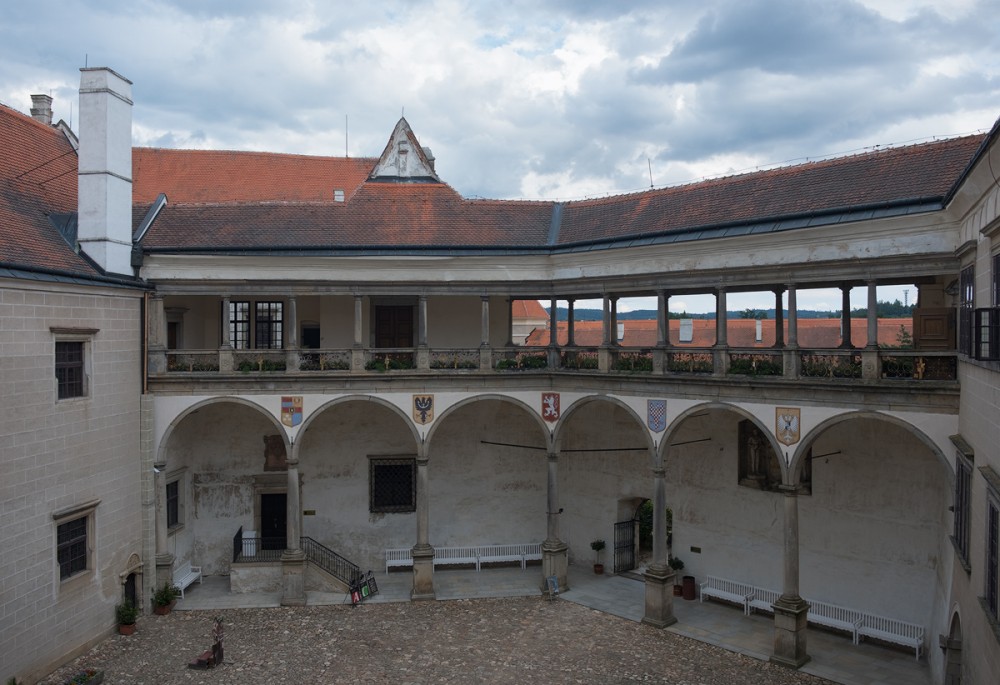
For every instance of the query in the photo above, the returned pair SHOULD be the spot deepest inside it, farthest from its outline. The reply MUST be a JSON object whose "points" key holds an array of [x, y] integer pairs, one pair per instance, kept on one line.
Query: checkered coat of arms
{"points": [[656, 415]]}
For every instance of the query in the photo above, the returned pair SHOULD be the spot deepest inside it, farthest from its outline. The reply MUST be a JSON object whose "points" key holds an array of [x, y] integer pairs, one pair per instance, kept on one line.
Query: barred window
{"points": [[963, 486], [992, 548], [392, 484], [71, 547], [69, 368], [173, 504], [268, 325], [239, 325]]}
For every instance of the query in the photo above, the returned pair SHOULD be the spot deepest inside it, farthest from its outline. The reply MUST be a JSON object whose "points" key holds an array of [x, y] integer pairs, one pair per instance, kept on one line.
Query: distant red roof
{"points": [[37, 179], [812, 333], [528, 309]]}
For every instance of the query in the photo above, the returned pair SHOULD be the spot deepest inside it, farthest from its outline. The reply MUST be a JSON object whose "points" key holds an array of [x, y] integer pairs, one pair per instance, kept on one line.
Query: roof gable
{"points": [[404, 160]]}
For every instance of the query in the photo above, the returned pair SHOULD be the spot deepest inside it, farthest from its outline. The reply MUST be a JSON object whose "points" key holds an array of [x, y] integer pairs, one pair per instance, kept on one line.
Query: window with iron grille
{"points": [[392, 484], [990, 596], [239, 325], [71, 547], [963, 485], [173, 504], [967, 288], [987, 329], [69, 368], [268, 323]]}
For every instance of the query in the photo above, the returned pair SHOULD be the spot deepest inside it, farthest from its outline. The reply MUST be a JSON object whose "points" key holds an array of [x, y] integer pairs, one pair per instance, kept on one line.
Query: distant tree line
{"points": [[885, 310]]}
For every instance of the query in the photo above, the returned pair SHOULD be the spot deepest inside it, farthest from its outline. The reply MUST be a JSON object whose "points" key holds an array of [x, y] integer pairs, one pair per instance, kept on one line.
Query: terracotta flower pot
{"points": [[126, 629], [678, 590], [598, 569]]}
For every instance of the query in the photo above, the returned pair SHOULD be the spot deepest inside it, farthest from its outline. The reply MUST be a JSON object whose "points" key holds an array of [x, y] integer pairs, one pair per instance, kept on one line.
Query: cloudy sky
{"points": [[528, 99]]}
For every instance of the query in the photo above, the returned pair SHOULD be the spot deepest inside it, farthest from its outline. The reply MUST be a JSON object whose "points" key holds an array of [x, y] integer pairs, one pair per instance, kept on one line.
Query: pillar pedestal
{"points": [[790, 615], [555, 562], [659, 596], [293, 578], [164, 569], [423, 573]]}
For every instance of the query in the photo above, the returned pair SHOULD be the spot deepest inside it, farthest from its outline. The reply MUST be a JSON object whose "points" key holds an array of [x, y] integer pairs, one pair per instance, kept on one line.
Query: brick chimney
{"points": [[41, 109], [105, 169]]}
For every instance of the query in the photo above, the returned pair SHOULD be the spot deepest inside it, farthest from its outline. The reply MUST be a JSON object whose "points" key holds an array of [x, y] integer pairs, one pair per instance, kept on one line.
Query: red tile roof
{"points": [[528, 309], [226, 176], [742, 333], [37, 178], [235, 200]]}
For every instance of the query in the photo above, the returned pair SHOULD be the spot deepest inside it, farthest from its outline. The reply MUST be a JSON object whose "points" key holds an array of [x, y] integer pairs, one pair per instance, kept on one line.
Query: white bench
{"points": [[475, 555], [833, 616], [728, 590], [185, 575], [892, 630], [763, 599]]}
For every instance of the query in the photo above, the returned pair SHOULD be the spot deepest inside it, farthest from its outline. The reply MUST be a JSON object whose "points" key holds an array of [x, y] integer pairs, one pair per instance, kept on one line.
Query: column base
{"points": [[164, 570], [423, 573], [555, 562], [790, 614], [293, 569], [659, 596]]}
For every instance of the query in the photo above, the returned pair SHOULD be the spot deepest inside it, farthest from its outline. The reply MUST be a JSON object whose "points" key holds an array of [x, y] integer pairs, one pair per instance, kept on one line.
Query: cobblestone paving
{"points": [[515, 640]]}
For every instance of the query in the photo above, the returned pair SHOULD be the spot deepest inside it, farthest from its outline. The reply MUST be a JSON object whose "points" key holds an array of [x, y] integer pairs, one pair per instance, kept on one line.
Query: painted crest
{"points": [[291, 411], [550, 406], [656, 415], [786, 424], [423, 408]]}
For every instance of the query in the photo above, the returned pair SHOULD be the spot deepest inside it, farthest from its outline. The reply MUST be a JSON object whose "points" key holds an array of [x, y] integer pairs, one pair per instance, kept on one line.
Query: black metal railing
{"points": [[331, 562], [257, 548]]}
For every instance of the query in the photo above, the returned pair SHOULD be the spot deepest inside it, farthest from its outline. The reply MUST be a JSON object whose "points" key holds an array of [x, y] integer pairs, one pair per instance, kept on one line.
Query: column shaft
{"points": [[845, 317], [570, 337], [485, 330], [358, 342], [422, 321], [793, 318], [779, 320], [721, 334], [872, 342]]}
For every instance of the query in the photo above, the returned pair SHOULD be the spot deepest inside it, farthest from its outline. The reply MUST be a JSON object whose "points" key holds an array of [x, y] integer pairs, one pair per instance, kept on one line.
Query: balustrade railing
{"points": [[455, 360], [918, 365], [632, 360], [520, 359], [383, 359], [579, 359], [756, 363], [831, 364], [192, 361], [324, 360], [700, 360], [249, 361]]}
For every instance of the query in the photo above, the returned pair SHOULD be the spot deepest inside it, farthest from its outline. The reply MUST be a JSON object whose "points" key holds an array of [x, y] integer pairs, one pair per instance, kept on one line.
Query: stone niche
{"points": [[275, 457], [759, 467]]}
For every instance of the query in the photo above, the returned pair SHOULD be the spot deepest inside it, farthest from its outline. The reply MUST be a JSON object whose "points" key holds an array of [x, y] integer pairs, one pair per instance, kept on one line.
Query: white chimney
{"points": [[105, 169], [759, 334], [687, 330], [41, 109]]}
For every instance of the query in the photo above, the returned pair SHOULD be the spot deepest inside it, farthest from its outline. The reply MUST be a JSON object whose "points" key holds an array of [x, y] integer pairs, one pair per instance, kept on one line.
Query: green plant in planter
{"points": [[126, 613], [597, 546], [165, 595]]}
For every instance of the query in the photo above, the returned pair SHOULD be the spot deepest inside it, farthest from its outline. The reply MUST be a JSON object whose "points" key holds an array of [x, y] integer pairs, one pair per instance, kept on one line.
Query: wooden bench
{"points": [[891, 630], [833, 616], [185, 575], [472, 555], [728, 590]]}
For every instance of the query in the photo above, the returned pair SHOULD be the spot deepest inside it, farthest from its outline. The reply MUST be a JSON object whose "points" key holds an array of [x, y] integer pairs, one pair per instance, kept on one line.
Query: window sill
{"points": [[960, 557], [175, 529], [79, 579]]}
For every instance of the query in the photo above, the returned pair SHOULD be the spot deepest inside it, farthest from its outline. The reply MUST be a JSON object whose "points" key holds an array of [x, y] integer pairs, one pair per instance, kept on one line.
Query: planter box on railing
{"points": [[756, 364], [916, 365], [690, 361], [455, 360], [192, 361], [831, 364], [324, 360], [389, 360], [637, 361], [521, 360], [258, 361], [572, 359]]}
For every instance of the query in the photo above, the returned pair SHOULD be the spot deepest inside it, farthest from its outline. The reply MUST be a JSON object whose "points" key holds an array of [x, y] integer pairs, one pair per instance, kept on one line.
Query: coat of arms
{"points": [[550, 406], [423, 408], [656, 415], [291, 411], [786, 424]]}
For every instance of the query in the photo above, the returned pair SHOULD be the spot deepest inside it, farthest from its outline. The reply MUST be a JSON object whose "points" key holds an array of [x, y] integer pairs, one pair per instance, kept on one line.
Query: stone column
{"points": [[164, 559], [614, 321], [659, 576], [157, 325], [570, 335], [662, 318], [872, 316], [604, 354], [720, 355], [790, 611], [553, 351], [510, 322], [358, 349], [554, 551], [423, 354], [293, 559], [423, 553], [227, 334], [793, 360], [779, 319], [485, 351], [292, 336], [845, 317]]}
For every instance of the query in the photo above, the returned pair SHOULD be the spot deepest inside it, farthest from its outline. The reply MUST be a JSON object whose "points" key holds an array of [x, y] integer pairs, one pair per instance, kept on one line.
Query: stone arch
{"points": [[557, 434], [675, 425], [177, 420], [439, 420], [354, 398], [802, 449], [953, 659]]}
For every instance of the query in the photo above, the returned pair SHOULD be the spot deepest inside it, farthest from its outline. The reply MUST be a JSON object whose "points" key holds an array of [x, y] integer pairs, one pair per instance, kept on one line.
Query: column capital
{"points": [[789, 490], [659, 472], [422, 460]]}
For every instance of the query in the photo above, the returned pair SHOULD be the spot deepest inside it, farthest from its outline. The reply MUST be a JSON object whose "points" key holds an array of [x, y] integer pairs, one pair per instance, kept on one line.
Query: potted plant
{"points": [[676, 564], [88, 676], [597, 546], [126, 613], [164, 598]]}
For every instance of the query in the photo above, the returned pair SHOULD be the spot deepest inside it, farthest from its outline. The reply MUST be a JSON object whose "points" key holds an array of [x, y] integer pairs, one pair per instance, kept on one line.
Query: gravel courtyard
{"points": [[514, 640]]}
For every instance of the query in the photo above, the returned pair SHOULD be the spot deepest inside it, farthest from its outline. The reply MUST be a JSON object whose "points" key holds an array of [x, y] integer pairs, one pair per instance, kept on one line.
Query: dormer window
{"points": [[338, 194]]}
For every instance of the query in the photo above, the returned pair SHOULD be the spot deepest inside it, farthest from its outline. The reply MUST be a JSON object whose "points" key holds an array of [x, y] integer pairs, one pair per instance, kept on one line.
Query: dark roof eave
{"points": [[718, 230], [21, 271]]}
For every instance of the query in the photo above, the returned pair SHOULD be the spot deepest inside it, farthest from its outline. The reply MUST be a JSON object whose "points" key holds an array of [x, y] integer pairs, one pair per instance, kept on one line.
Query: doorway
{"points": [[273, 520], [130, 591], [394, 326]]}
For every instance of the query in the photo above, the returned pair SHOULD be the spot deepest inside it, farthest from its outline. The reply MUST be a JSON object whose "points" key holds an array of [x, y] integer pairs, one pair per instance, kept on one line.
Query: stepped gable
{"points": [[38, 179], [924, 172]]}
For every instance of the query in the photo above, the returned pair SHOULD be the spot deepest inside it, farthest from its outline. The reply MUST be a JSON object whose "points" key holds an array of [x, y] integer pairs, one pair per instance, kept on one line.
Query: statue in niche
{"points": [[275, 458], [759, 467]]}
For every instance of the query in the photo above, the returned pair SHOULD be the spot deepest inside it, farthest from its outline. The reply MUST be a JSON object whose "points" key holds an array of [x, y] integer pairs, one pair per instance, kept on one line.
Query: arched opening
{"points": [[953, 665]]}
